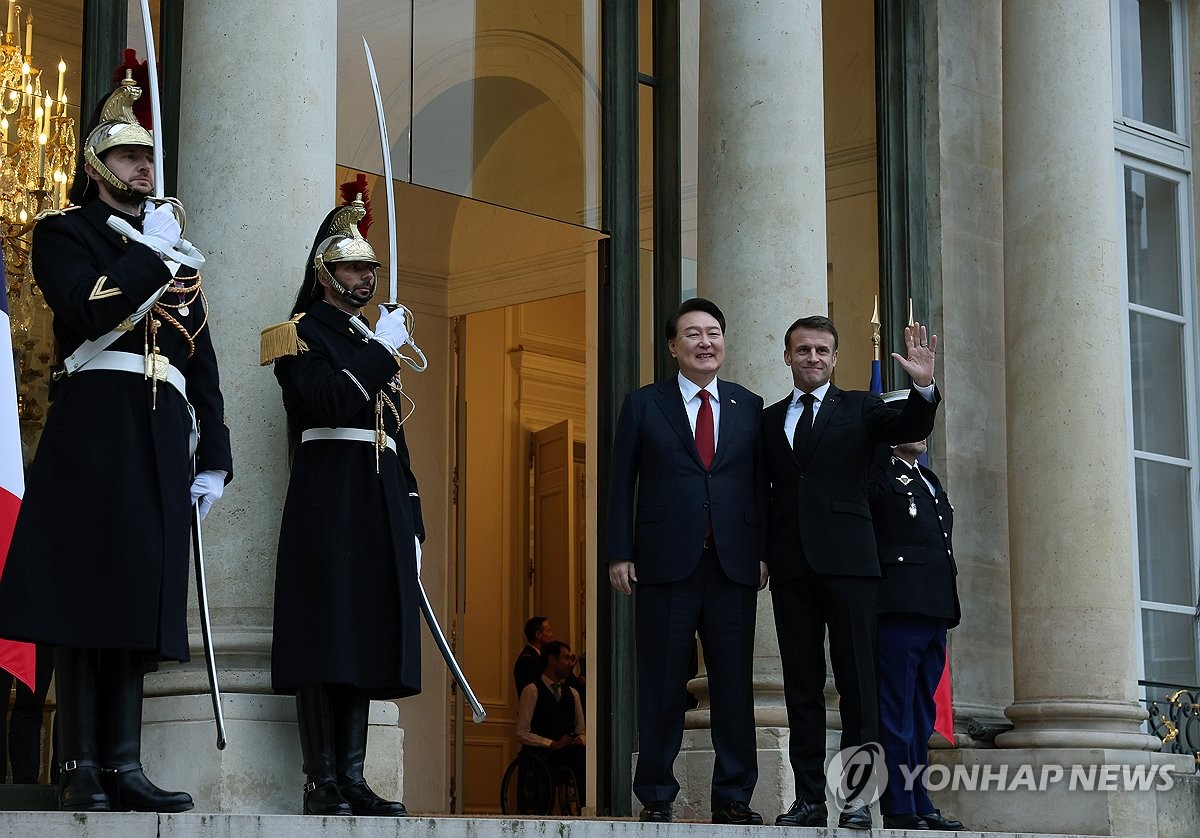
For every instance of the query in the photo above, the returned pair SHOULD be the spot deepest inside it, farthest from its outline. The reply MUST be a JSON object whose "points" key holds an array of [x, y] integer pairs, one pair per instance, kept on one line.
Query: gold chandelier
{"points": [[37, 136]]}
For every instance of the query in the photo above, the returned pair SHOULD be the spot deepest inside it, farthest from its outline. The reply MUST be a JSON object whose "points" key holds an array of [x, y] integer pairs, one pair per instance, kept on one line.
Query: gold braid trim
{"points": [[280, 340]]}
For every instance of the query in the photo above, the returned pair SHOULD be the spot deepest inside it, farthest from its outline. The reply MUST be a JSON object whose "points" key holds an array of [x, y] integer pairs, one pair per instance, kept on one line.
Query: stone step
{"points": [[133, 825], [28, 798]]}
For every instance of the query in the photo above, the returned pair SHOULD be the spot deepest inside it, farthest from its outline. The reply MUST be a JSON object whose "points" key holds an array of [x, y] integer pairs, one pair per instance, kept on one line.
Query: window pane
{"points": [[1164, 532], [1156, 359], [1147, 83], [500, 100], [1169, 643], [1152, 240]]}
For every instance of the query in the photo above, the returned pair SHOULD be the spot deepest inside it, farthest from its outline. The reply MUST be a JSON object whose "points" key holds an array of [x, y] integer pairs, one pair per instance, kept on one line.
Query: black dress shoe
{"points": [[908, 821], [657, 812], [737, 812], [936, 821], [859, 818], [805, 813]]}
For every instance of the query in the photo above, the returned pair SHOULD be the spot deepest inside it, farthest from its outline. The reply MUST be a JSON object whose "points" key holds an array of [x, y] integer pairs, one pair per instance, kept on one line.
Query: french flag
{"points": [[17, 658]]}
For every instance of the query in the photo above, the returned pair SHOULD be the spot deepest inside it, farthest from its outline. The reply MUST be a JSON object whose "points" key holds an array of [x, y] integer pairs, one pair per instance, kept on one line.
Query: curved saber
{"points": [[210, 659], [155, 100], [478, 714], [387, 173], [419, 363]]}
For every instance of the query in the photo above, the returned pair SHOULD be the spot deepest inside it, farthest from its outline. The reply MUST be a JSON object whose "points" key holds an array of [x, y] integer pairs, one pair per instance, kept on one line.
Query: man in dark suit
{"points": [[528, 666], [688, 451], [819, 443], [918, 602]]}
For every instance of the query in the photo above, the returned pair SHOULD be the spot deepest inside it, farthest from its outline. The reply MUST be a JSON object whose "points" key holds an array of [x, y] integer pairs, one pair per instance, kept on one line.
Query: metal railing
{"points": [[1173, 715]]}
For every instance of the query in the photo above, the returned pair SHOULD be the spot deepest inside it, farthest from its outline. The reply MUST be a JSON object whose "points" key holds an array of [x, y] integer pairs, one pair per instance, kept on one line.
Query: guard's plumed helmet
{"points": [[118, 126], [342, 242]]}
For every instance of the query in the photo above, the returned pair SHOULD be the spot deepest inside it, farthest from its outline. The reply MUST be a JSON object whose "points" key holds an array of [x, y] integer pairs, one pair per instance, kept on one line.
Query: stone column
{"points": [[1074, 660], [256, 174], [761, 257]]}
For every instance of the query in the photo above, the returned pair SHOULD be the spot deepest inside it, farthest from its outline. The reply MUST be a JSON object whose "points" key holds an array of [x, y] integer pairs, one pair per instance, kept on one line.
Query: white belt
{"points": [[345, 434], [110, 359]]}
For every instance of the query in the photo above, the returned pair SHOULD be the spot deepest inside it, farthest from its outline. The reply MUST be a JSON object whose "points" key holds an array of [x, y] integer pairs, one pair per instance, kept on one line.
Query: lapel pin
{"points": [[904, 479]]}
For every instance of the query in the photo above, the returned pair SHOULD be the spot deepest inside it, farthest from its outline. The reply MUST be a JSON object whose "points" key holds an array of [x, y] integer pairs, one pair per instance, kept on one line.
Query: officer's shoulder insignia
{"points": [[47, 213], [904, 479], [102, 290], [280, 340]]}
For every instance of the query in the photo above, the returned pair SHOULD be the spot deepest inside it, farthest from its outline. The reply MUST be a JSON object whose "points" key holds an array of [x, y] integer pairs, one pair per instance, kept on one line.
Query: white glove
{"points": [[159, 225], [417, 541], [207, 489], [391, 330]]}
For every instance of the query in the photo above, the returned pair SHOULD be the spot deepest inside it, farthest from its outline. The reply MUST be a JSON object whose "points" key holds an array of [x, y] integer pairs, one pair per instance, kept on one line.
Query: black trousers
{"points": [[804, 607], [21, 738], [667, 617]]}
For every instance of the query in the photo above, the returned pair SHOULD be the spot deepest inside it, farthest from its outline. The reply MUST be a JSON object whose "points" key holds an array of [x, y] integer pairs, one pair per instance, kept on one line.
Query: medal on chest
{"points": [[912, 507]]}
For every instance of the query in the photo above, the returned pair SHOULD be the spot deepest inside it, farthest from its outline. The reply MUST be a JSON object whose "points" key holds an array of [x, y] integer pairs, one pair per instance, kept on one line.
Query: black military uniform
{"points": [[98, 565], [347, 625], [918, 602]]}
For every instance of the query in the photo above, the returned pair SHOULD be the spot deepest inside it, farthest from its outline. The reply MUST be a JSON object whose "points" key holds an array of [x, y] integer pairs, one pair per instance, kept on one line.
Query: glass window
{"points": [[487, 99], [1159, 407], [1164, 526], [1169, 642], [1152, 240], [1147, 62]]}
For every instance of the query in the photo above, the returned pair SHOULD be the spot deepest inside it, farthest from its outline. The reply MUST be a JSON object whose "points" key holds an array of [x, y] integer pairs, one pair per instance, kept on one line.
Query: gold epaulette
{"points": [[46, 213], [280, 340]]}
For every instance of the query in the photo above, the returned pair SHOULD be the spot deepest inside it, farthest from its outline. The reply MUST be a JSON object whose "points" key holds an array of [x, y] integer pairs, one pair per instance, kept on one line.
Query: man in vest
{"points": [[550, 720]]}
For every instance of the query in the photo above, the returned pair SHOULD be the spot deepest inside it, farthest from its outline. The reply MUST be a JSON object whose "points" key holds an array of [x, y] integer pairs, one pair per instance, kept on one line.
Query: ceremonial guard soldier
{"points": [[98, 565], [918, 603], [346, 596]]}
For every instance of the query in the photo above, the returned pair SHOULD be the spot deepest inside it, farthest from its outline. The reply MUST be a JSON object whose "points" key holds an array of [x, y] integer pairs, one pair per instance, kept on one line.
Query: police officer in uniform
{"points": [[346, 601], [918, 603], [98, 565]]}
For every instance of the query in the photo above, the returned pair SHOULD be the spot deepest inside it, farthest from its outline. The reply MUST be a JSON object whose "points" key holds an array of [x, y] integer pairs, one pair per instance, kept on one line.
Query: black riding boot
{"points": [[79, 788], [128, 788], [350, 708], [313, 712]]}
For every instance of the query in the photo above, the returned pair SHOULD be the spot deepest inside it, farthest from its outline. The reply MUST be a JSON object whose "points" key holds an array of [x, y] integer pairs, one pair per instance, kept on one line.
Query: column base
{"points": [[259, 770], [1100, 792]]}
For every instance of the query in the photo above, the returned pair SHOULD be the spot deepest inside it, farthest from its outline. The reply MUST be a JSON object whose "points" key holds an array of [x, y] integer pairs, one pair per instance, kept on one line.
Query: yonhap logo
{"points": [[857, 776]]}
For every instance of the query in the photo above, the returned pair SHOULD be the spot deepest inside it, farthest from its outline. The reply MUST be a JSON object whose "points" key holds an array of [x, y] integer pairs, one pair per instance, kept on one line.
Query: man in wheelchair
{"points": [[550, 722]]}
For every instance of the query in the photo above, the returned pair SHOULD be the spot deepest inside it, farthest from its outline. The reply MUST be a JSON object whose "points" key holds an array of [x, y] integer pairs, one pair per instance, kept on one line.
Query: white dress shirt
{"points": [[529, 697]]}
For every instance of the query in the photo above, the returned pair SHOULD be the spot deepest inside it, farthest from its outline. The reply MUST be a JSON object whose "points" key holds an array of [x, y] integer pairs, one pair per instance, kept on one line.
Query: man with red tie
{"points": [[688, 452]]}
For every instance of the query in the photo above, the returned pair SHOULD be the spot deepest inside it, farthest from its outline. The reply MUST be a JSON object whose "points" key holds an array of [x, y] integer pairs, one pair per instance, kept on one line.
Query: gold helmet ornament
{"points": [[344, 242], [118, 126]]}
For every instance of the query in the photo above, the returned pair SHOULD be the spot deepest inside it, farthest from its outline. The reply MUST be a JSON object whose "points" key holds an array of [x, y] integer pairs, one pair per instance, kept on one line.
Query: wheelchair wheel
{"points": [[527, 787], [567, 792]]}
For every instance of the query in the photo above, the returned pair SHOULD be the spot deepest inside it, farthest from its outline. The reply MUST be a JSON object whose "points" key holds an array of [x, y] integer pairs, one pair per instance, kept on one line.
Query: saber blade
{"points": [[210, 658], [478, 714], [387, 173], [155, 100]]}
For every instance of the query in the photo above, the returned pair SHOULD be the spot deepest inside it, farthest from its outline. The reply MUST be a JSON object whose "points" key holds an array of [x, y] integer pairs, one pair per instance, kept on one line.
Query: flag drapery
{"points": [[17, 658]]}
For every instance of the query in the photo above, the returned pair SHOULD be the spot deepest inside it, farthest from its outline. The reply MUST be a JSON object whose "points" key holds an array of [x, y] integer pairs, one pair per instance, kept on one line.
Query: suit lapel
{"points": [[831, 402], [670, 402]]}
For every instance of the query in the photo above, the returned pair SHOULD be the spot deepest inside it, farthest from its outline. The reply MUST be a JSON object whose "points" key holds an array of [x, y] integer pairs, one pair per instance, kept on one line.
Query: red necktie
{"points": [[706, 438]]}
